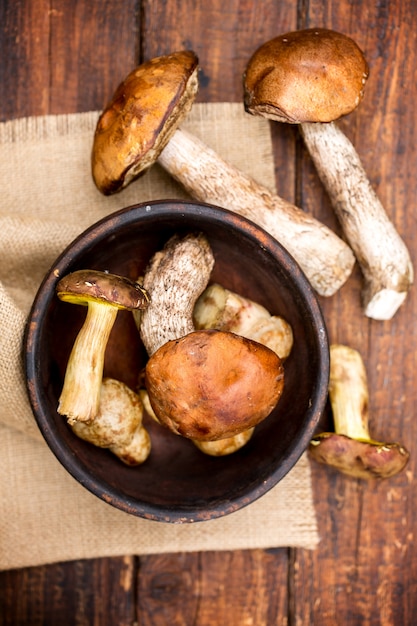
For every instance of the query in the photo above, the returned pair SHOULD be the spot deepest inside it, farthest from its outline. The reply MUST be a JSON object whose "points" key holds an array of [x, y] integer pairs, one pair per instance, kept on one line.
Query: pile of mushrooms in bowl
{"points": [[218, 418]]}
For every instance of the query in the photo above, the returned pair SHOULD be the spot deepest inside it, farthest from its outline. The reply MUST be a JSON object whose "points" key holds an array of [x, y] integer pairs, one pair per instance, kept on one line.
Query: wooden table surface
{"points": [[60, 56]]}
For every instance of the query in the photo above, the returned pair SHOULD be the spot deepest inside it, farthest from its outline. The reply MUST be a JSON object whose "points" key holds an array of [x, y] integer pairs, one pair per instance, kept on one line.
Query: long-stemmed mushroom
{"points": [[350, 448], [140, 126], [313, 77], [204, 385], [118, 424], [104, 294]]}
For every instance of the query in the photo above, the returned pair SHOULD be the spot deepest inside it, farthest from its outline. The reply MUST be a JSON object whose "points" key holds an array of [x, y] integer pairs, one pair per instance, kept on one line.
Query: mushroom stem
{"points": [[80, 396], [380, 251], [223, 447], [326, 260], [175, 278], [348, 392]]}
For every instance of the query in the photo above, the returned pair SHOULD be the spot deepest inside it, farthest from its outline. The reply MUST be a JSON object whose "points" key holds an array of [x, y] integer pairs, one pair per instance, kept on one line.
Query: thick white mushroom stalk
{"points": [[379, 249], [326, 260]]}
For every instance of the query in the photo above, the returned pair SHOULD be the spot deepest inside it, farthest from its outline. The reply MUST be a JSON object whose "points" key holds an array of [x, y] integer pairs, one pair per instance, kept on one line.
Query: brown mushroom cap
{"points": [[358, 458], [139, 120], [313, 75], [84, 286], [212, 384]]}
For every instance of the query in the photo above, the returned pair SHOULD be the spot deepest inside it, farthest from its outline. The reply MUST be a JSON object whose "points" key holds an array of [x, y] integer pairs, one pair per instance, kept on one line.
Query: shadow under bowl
{"points": [[178, 483]]}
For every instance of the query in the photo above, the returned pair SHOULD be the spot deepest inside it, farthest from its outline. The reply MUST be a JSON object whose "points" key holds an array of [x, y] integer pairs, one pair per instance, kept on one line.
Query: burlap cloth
{"points": [[47, 198]]}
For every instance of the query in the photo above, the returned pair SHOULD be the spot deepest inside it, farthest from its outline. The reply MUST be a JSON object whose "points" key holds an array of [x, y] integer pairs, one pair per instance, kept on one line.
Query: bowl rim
{"points": [[101, 229]]}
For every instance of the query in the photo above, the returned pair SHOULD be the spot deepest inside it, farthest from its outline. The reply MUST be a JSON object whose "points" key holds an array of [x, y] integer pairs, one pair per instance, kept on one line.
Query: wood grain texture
{"points": [[65, 56], [240, 587], [96, 591], [365, 569]]}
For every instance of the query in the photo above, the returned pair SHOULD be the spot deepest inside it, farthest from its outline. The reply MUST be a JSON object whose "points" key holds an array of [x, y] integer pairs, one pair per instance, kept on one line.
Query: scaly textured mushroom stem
{"points": [[175, 278], [348, 392], [326, 260], [381, 253], [80, 396]]}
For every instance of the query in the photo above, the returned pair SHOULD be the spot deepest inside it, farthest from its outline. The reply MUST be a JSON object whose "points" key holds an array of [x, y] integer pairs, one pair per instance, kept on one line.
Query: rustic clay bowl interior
{"points": [[178, 483]]}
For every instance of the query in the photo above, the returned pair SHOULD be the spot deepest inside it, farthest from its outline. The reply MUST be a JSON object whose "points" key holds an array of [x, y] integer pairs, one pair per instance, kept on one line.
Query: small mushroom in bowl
{"points": [[205, 385], [104, 294], [350, 449], [313, 77], [212, 385], [118, 424], [224, 309]]}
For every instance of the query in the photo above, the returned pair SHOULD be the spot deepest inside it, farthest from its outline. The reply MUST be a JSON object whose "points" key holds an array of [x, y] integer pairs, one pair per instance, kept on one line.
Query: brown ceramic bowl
{"points": [[178, 483]]}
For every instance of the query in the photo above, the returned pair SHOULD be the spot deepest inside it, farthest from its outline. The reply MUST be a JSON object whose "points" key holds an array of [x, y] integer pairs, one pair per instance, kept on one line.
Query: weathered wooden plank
{"points": [[68, 56], [364, 571], [64, 56], [211, 588], [223, 34], [96, 591], [24, 67], [92, 45]]}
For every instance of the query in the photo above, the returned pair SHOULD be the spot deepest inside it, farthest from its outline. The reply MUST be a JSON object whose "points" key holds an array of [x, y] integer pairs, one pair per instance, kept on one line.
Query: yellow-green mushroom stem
{"points": [[104, 294]]}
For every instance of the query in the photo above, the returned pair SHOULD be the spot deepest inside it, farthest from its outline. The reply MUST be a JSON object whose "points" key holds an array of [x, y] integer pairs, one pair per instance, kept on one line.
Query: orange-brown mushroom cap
{"points": [[141, 117], [312, 75], [211, 384]]}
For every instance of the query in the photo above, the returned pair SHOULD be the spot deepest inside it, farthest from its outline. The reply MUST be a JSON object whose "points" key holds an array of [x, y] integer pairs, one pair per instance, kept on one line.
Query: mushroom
{"points": [[118, 424], [223, 309], [350, 449], [103, 294], [212, 384], [140, 126], [220, 447], [205, 384], [313, 77]]}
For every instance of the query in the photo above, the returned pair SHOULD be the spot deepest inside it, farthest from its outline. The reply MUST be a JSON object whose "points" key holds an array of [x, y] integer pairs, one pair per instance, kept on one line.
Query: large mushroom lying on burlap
{"points": [[205, 385], [313, 77], [140, 125]]}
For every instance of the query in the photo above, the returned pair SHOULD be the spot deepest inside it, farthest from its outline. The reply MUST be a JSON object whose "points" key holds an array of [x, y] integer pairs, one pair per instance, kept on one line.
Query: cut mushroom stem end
{"points": [[350, 449]]}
